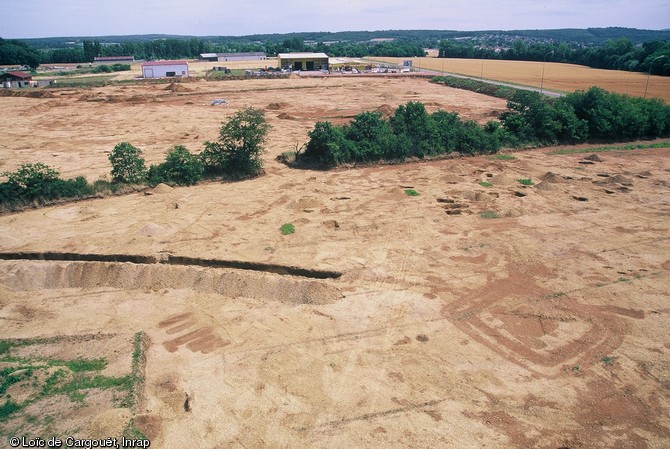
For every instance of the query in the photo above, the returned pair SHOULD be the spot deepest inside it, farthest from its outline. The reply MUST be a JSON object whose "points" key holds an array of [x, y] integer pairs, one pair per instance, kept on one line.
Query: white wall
{"points": [[161, 71]]}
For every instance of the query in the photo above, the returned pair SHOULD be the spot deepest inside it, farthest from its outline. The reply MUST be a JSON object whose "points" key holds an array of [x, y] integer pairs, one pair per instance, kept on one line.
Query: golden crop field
{"points": [[557, 77]]}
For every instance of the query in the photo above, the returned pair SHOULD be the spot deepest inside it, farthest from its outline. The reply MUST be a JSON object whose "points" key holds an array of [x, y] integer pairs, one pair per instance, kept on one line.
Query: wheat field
{"points": [[557, 77]]}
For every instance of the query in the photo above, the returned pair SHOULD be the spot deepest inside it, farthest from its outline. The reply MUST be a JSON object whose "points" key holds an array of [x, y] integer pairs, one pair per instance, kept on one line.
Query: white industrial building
{"points": [[163, 69], [243, 56]]}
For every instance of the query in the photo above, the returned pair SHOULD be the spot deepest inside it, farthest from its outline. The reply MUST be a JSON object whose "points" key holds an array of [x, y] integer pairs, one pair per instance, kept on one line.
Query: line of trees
{"points": [[531, 119], [235, 155], [616, 54], [410, 132]]}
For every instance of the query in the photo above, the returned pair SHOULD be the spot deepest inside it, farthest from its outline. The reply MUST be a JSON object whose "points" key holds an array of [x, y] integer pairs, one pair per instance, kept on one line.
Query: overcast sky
{"points": [[56, 18]]}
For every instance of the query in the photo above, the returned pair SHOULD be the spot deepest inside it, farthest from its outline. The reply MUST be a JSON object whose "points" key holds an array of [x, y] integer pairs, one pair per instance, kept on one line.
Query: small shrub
{"points": [[503, 157], [608, 360], [287, 157], [485, 184], [525, 181], [489, 214], [8, 408], [180, 167], [411, 192], [287, 228]]}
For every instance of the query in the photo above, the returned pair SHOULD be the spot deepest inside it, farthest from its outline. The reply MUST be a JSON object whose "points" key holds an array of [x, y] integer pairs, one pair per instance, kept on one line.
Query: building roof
{"points": [[209, 55], [114, 58], [302, 55], [18, 74], [156, 63], [248, 53]]}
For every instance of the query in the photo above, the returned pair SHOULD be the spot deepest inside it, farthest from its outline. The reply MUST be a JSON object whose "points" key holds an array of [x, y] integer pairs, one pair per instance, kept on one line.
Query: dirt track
{"points": [[546, 327]]}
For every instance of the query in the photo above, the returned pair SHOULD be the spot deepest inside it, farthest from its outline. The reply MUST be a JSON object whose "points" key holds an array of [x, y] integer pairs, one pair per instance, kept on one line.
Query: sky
{"points": [[59, 18]]}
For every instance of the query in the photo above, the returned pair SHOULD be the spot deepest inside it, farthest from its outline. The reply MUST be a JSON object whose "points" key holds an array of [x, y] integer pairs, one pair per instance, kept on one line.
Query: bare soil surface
{"points": [[543, 326]]}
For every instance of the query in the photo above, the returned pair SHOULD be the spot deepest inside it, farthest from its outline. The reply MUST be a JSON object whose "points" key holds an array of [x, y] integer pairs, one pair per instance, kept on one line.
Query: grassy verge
{"points": [[607, 148], [493, 90], [36, 383]]}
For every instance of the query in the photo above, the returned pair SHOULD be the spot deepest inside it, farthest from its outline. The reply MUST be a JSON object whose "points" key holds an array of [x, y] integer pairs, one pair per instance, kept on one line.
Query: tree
{"points": [[413, 121], [127, 164], [32, 180], [180, 167], [240, 145]]}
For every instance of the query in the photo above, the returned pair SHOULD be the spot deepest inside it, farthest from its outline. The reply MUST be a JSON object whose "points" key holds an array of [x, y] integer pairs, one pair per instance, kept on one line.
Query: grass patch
{"points": [[554, 295], [4, 346], [287, 228], [485, 184], [489, 214], [40, 378], [411, 192], [607, 148], [503, 157], [8, 408], [608, 360], [85, 81], [525, 181], [80, 365]]}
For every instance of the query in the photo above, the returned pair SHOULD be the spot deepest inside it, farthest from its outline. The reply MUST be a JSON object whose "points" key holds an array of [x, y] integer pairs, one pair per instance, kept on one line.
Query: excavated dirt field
{"points": [[546, 325]]}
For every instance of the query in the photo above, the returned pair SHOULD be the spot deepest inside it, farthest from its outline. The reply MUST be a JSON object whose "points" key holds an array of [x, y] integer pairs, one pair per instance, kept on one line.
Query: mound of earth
{"points": [[593, 157], [21, 276], [285, 116], [276, 106], [513, 213], [176, 87], [386, 110], [162, 188], [551, 178], [614, 180], [451, 178], [544, 185], [502, 179], [459, 169]]}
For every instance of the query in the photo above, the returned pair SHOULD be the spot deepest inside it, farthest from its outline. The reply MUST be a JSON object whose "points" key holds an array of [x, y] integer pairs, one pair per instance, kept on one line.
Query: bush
{"points": [[410, 132], [180, 167], [580, 116], [237, 152], [39, 182], [32, 181], [327, 145], [127, 164]]}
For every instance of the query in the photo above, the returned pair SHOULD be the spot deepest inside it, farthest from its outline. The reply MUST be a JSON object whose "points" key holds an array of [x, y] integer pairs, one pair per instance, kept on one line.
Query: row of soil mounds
{"points": [[285, 270], [33, 275]]}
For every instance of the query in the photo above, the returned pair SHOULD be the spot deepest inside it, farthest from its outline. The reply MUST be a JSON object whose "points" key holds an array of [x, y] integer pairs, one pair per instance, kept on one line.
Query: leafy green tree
{"points": [[32, 180], [127, 164], [327, 144], [39, 182], [412, 121], [16, 52], [180, 167], [240, 145]]}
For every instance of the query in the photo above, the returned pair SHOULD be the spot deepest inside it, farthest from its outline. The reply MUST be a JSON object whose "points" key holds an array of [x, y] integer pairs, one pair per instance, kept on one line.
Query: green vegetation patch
{"points": [[607, 148], [411, 192], [525, 181], [489, 214], [503, 157], [287, 228], [36, 379], [485, 184]]}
